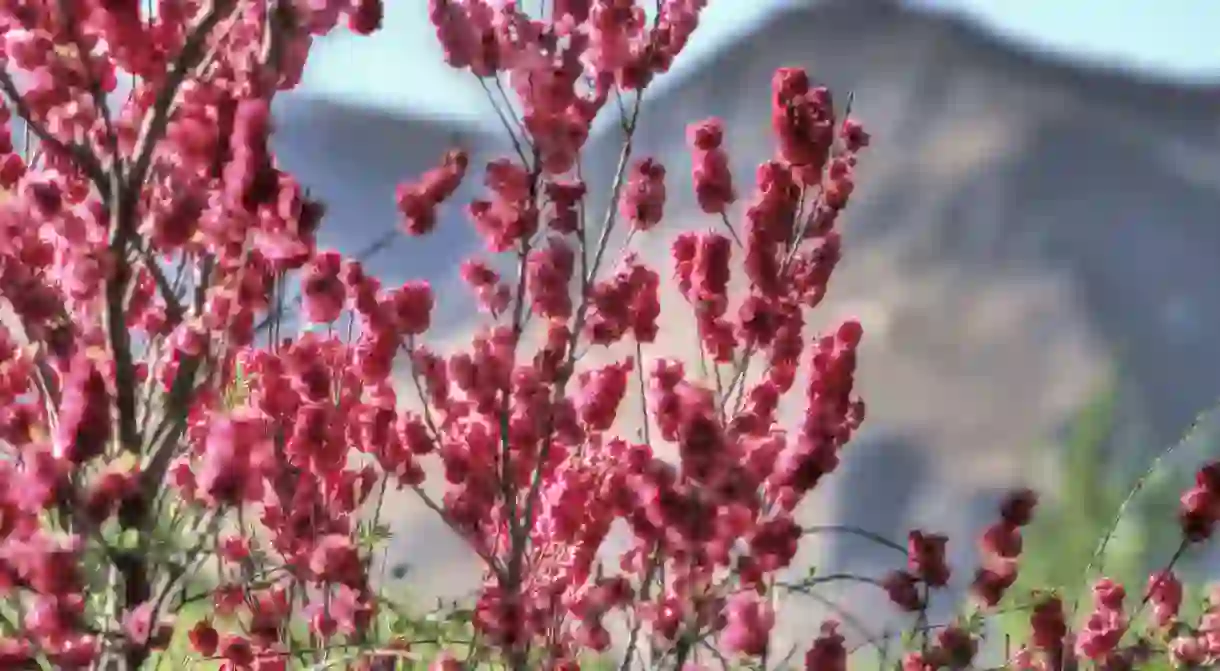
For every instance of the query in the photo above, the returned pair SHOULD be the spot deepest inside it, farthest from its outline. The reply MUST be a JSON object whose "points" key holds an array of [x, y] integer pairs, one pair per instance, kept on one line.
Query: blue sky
{"points": [[1175, 38], [400, 68]]}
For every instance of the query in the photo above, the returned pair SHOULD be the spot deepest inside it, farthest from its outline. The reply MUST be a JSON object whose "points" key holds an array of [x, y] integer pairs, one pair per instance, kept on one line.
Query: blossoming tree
{"points": [[168, 443]]}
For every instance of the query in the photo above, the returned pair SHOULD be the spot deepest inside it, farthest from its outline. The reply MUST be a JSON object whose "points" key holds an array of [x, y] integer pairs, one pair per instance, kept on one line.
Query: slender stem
{"points": [[855, 531], [582, 311], [653, 559], [508, 127], [378, 245], [724, 218], [1177, 555], [645, 585], [1097, 560], [639, 376], [512, 113], [491, 562], [805, 585]]}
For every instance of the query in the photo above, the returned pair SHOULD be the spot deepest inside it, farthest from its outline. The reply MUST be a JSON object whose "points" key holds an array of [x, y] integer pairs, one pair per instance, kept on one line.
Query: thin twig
{"points": [[1098, 558], [724, 218], [378, 245], [855, 531], [583, 310], [491, 562], [508, 127], [633, 638], [805, 585]]}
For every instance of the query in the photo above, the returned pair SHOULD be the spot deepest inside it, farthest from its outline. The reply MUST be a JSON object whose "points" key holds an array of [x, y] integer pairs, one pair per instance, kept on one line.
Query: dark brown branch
{"points": [[124, 210]]}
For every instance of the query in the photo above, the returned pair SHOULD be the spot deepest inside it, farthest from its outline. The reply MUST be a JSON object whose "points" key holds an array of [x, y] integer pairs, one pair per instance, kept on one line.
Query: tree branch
{"points": [[124, 210], [95, 85], [192, 54], [84, 159], [126, 192]]}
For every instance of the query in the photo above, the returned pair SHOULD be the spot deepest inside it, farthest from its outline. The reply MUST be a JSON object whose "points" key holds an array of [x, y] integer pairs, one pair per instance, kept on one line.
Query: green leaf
{"points": [[128, 539]]}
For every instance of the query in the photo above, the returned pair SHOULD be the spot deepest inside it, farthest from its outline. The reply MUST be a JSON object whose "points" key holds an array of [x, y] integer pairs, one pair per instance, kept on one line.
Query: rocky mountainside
{"points": [[1023, 228]]}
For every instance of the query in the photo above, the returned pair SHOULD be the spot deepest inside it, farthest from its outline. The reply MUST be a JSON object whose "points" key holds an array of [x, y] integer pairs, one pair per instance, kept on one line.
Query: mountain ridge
{"points": [[1065, 67]]}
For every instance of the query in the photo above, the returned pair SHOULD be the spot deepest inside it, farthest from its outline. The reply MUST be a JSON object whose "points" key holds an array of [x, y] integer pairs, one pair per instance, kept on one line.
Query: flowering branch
{"points": [[193, 52], [157, 441], [85, 160]]}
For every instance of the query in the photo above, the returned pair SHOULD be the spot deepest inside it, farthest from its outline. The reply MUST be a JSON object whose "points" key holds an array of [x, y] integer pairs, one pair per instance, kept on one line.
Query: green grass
{"points": [[180, 654], [446, 627], [1061, 545]]}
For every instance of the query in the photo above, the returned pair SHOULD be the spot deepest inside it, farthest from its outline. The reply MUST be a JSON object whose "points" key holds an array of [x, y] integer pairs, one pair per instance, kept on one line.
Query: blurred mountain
{"points": [[1023, 228]]}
